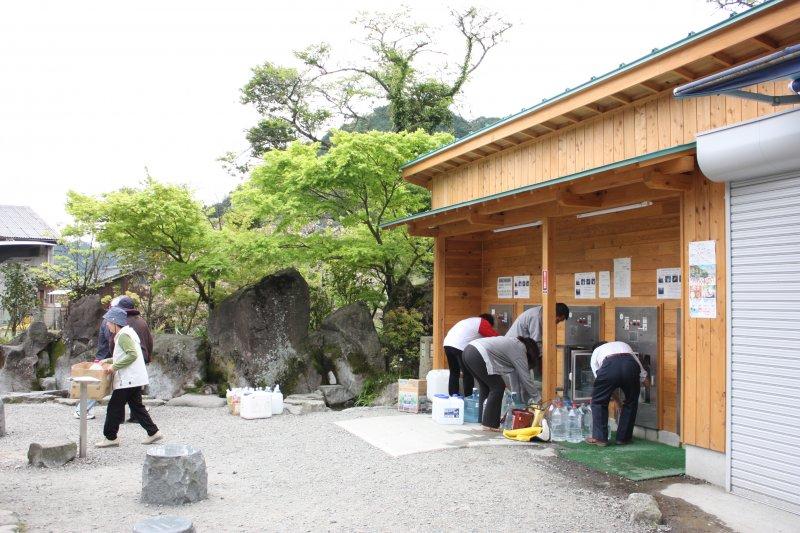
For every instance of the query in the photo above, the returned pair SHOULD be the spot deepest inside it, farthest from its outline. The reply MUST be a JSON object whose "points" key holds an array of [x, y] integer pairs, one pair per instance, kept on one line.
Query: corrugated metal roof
{"points": [[693, 36], [23, 224]]}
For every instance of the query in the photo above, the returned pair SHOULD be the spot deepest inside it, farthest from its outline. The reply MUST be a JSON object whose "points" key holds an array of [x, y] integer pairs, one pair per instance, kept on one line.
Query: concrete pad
{"points": [[409, 434], [739, 514]]}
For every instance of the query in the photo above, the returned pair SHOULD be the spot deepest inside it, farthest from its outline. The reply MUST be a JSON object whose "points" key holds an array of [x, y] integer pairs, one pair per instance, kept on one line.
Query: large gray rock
{"points": [[79, 335], [335, 395], [256, 335], [174, 474], [387, 397], [34, 397], [48, 383], [2, 418], [177, 364], [302, 404], [197, 400], [347, 343], [10, 522], [24, 357], [164, 524], [642, 508], [51, 455]]}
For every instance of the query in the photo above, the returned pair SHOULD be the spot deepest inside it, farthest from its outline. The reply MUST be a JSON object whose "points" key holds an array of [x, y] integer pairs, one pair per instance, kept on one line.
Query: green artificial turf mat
{"points": [[637, 461]]}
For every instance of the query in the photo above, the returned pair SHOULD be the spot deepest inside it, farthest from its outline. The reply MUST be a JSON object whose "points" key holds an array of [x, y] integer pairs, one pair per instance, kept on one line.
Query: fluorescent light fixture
{"points": [[614, 210], [520, 226]]}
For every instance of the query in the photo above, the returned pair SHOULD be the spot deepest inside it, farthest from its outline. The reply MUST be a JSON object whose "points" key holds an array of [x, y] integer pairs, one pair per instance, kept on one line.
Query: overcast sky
{"points": [[94, 92]]}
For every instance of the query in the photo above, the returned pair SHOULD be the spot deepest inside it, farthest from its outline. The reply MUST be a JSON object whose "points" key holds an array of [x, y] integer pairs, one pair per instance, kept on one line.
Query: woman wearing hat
{"points": [[130, 375]]}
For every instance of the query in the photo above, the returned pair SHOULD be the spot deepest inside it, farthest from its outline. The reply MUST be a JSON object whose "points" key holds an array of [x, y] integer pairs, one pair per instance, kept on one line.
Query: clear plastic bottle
{"points": [[574, 425], [277, 400], [586, 420], [471, 407], [558, 423]]}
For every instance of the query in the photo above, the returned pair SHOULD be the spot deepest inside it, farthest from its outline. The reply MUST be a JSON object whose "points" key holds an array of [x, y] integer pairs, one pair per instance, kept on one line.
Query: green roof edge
{"points": [[669, 48], [543, 184]]}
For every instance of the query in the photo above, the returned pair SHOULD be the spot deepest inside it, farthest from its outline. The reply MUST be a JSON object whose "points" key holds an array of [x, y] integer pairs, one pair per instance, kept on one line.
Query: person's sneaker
{"points": [[105, 443], [544, 436], [155, 437], [89, 414]]}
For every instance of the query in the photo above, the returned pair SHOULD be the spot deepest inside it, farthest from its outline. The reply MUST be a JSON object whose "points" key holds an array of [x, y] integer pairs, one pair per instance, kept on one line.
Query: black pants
{"points": [[455, 361], [491, 388], [115, 413], [617, 372]]}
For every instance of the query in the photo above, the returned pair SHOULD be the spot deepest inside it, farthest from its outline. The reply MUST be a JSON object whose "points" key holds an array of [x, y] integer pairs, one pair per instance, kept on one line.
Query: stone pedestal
{"points": [[174, 474], [164, 524], [51, 455]]}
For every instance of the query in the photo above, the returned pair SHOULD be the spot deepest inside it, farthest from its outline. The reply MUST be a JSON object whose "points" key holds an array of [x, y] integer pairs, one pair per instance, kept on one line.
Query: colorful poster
{"points": [[604, 284], [622, 277], [668, 283], [522, 286], [703, 279], [505, 287], [585, 286]]}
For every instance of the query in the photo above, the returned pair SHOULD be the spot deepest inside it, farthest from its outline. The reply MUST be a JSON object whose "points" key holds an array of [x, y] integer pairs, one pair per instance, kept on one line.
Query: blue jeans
{"points": [[89, 406]]}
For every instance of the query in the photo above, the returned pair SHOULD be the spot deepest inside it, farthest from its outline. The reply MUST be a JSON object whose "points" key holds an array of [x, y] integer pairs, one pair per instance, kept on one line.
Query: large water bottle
{"points": [[558, 423], [574, 425], [505, 407], [586, 420], [471, 407]]}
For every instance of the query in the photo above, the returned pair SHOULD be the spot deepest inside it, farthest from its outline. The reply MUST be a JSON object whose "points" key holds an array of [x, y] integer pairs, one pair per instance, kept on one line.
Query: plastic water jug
{"points": [[558, 424], [574, 425], [586, 420], [471, 410], [437, 382], [256, 404], [448, 409], [277, 400]]}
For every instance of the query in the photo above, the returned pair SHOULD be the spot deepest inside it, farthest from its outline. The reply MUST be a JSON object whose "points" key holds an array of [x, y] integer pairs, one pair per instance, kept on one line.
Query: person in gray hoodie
{"points": [[490, 359]]}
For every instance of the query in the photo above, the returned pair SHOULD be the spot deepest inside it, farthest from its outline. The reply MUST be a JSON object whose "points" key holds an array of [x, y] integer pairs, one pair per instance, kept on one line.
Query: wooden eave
{"points": [[774, 27]]}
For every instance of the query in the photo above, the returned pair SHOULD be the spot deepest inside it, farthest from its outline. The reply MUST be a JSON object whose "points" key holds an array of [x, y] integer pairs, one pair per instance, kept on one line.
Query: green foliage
{"points": [[400, 335], [373, 386], [357, 185], [18, 296], [396, 72]]}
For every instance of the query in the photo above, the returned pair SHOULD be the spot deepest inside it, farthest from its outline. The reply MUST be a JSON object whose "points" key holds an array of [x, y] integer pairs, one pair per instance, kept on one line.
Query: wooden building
{"points": [[619, 142]]}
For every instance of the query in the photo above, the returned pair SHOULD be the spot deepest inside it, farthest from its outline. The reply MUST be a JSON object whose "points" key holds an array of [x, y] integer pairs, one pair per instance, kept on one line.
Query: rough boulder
{"points": [[177, 364], [347, 344], [24, 357], [256, 335], [80, 335]]}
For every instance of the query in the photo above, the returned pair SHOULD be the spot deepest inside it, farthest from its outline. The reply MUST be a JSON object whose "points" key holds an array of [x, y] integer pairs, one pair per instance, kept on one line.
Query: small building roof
{"points": [[21, 223]]}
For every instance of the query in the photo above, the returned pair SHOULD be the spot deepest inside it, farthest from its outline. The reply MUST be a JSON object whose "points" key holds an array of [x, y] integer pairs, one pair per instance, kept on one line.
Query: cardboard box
{"points": [[411, 394], [96, 391]]}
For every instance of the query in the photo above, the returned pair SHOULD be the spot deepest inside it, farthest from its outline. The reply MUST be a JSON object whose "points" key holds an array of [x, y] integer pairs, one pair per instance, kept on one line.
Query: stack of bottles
{"points": [[471, 407], [250, 403], [568, 422]]}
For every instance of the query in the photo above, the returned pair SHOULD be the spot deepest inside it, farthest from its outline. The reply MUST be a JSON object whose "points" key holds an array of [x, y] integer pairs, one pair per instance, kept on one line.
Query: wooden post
{"points": [[549, 355], [82, 441], [439, 360]]}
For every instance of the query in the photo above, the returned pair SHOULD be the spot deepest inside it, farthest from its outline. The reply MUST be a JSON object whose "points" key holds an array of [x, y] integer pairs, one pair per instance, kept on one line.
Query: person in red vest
{"points": [[459, 336]]}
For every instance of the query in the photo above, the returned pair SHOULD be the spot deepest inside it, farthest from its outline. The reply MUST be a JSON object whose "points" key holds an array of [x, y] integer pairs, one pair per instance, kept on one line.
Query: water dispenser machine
{"points": [[503, 317], [638, 326], [582, 332]]}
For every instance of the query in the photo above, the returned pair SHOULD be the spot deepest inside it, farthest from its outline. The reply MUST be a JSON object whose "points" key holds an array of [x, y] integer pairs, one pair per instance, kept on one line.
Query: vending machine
{"points": [[503, 317], [582, 332], [639, 327]]}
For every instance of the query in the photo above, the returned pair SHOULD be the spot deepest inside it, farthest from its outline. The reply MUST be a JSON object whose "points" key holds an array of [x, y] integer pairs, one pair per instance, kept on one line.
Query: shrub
{"points": [[400, 335]]}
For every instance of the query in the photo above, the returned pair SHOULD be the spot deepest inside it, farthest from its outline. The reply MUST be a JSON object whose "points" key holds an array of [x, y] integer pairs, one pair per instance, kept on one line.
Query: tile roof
{"points": [[21, 223]]}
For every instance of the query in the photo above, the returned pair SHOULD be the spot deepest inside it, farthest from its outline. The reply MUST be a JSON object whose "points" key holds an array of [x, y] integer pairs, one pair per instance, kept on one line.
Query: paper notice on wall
{"points": [[622, 277], [585, 287], [668, 283], [703, 279], [505, 287], [522, 286], [604, 284]]}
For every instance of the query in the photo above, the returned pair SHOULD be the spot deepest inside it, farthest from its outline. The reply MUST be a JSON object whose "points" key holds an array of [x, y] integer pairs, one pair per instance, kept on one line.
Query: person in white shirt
{"points": [[615, 366], [459, 336]]}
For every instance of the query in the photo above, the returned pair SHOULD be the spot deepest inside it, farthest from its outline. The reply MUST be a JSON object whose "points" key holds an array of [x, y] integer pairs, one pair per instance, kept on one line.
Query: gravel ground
{"points": [[296, 473]]}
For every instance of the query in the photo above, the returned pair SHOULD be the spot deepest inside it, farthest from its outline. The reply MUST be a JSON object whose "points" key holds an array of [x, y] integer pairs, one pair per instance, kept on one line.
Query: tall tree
{"points": [[18, 293], [304, 103], [358, 183]]}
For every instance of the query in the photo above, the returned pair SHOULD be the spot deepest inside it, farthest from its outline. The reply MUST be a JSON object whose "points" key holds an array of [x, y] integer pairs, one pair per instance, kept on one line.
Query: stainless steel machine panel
{"points": [[638, 326], [583, 326], [503, 317], [581, 376]]}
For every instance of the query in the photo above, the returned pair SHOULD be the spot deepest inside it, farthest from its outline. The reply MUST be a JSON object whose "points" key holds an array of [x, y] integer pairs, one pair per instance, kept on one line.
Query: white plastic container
{"points": [[437, 382], [448, 410], [257, 404], [277, 400]]}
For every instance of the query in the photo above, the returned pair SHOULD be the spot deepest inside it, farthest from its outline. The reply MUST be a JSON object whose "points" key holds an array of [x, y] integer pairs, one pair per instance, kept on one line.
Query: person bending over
{"points": [[490, 359], [461, 334]]}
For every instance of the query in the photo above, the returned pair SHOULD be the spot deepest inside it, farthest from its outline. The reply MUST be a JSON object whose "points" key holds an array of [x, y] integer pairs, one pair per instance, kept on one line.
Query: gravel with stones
{"points": [[294, 473]]}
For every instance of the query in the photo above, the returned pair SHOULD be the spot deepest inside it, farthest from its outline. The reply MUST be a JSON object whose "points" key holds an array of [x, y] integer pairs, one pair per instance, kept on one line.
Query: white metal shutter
{"points": [[765, 340]]}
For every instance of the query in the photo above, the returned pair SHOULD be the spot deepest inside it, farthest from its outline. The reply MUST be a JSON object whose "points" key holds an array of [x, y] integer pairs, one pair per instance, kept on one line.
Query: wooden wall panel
{"points": [[642, 127]]}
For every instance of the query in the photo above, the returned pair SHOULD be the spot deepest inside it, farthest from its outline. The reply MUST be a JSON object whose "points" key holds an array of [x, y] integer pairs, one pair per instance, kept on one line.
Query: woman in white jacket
{"points": [[130, 375]]}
